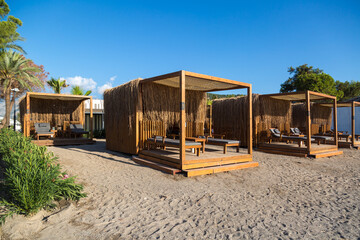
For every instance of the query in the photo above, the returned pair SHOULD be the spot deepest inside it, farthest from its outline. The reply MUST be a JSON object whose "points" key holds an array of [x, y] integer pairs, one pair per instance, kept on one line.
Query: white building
{"points": [[98, 114]]}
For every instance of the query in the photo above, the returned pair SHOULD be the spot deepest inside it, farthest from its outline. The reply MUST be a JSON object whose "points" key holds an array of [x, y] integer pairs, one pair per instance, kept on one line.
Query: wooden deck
{"points": [[345, 144], [212, 161], [291, 149], [63, 141]]}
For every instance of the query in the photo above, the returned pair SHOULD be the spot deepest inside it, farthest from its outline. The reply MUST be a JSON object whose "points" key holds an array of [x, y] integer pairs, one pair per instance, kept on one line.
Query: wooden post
{"points": [[91, 119], [335, 124], [210, 119], [308, 122], [137, 136], [27, 120], [182, 118], [353, 123], [250, 130]]}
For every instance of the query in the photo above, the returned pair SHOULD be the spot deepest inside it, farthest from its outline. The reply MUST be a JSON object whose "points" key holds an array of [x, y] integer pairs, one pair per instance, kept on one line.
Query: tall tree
{"points": [[57, 84], [306, 77], [8, 30], [16, 72], [77, 90]]}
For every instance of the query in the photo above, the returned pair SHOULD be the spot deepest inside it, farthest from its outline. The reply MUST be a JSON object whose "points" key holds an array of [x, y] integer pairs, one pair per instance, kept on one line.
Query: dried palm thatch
{"points": [[132, 102], [321, 117], [52, 111], [230, 117]]}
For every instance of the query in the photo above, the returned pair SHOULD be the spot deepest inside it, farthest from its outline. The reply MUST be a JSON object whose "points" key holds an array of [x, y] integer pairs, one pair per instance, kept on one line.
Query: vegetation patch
{"points": [[31, 178]]}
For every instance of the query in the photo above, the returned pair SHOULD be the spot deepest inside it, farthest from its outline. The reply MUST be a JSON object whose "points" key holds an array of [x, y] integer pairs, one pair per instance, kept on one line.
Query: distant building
{"points": [[98, 114]]}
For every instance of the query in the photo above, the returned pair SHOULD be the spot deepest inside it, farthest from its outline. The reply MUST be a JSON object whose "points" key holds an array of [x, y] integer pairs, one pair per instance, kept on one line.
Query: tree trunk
{"points": [[7, 108]]}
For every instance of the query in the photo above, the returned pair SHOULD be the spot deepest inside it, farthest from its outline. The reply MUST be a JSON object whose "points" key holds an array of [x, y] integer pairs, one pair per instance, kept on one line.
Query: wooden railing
{"points": [[148, 129]]}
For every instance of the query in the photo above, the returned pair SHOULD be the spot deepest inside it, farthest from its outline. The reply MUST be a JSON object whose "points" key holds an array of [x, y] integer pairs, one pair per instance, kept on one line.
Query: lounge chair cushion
{"points": [[42, 128], [77, 128]]}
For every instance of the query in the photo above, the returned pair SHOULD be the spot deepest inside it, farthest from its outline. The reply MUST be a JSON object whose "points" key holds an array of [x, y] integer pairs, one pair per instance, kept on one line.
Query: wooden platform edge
{"points": [[326, 154], [154, 165], [224, 168], [278, 152]]}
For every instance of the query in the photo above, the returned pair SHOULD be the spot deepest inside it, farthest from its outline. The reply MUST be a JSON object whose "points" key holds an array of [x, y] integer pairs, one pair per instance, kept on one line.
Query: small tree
{"points": [[77, 90], [307, 77], [57, 84]]}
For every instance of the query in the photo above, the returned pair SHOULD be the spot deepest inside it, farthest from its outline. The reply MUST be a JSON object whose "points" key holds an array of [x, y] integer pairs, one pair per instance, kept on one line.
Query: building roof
{"points": [[196, 82]]}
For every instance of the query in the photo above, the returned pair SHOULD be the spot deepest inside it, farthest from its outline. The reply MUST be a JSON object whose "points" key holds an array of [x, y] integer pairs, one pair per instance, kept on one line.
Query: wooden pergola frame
{"points": [[52, 96], [306, 97], [224, 84], [352, 105]]}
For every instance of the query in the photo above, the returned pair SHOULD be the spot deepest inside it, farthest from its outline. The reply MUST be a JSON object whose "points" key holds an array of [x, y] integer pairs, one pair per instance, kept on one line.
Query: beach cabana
{"points": [[142, 108], [60, 112], [308, 149], [229, 116], [353, 139]]}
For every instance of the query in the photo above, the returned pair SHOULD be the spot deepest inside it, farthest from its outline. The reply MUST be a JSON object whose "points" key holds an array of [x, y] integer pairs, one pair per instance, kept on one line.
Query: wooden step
{"points": [[157, 166], [216, 163], [224, 168], [161, 161], [272, 151], [323, 150], [326, 154]]}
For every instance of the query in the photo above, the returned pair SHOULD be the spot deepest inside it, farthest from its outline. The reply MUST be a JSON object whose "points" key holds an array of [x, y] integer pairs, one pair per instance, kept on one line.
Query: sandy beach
{"points": [[284, 198]]}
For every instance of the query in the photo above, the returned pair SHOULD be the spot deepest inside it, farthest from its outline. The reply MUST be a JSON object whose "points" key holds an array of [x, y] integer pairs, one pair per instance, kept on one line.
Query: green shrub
{"points": [[32, 178]]}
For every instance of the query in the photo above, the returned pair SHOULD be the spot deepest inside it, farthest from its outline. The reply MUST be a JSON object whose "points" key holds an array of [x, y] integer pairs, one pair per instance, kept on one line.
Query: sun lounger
{"points": [[297, 132], [77, 129], [341, 135], [222, 142], [276, 134], [43, 130], [162, 141]]}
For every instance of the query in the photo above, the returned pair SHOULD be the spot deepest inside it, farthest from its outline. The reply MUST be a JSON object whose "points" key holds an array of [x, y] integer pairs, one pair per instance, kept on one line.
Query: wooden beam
{"points": [[161, 77], [335, 123], [308, 121], [210, 121], [91, 118], [27, 133], [57, 96], [353, 123], [182, 118], [250, 121], [322, 95], [217, 79]]}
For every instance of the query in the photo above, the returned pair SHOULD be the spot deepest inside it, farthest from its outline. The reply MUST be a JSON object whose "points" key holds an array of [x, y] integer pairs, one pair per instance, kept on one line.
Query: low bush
{"points": [[32, 178]]}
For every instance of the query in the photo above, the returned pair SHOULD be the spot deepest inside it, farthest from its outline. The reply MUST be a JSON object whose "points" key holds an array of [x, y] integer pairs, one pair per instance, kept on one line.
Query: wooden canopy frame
{"points": [[352, 105], [307, 97], [53, 96], [185, 80]]}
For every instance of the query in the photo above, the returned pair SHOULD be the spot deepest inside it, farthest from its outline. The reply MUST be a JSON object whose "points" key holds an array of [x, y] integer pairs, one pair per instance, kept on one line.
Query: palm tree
{"points": [[10, 44], [57, 84], [15, 72], [77, 90]]}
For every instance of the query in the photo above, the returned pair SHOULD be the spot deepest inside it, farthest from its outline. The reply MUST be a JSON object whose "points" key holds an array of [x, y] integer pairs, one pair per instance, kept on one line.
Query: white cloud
{"points": [[85, 83], [102, 88], [113, 78]]}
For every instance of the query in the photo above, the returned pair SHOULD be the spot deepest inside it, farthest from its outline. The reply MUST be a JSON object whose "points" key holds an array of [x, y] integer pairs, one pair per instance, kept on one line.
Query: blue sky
{"points": [[99, 44]]}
